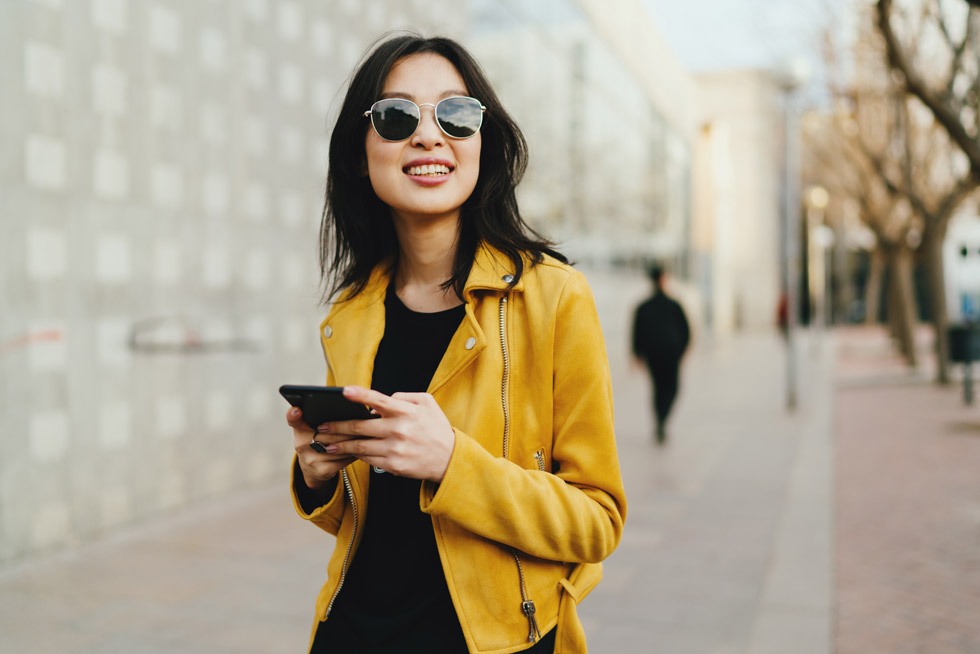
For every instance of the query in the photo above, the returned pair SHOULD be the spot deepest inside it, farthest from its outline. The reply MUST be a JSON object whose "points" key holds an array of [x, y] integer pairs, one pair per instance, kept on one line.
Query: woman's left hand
{"points": [[412, 438]]}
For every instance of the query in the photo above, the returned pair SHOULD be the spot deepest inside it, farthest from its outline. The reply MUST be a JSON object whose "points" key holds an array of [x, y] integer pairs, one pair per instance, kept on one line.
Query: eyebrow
{"points": [[410, 96]]}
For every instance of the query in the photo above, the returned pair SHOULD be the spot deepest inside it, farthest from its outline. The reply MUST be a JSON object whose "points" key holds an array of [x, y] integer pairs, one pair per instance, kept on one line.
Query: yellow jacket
{"points": [[532, 499]]}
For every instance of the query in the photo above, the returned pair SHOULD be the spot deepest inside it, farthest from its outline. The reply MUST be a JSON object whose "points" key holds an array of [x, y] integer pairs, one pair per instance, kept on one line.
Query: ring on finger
{"points": [[316, 445]]}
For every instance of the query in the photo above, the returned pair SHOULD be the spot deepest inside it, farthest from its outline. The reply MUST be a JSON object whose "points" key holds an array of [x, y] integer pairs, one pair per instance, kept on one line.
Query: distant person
{"points": [[782, 315], [660, 338]]}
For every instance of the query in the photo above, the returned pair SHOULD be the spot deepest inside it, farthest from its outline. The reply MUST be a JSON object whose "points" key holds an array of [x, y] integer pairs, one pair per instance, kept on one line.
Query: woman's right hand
{"points": [[317, 468]]}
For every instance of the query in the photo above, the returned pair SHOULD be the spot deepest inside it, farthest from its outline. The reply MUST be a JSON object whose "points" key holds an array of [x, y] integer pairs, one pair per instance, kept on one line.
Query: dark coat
{"points": [[660, 329]]}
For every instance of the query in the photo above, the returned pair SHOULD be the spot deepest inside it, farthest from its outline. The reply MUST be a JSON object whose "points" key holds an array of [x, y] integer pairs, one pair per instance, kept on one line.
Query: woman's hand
{"points": [[317, 468], [412, 438]]}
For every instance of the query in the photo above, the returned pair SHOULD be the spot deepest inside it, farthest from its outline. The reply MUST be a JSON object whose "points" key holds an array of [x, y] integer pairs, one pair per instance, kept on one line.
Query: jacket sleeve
{"points": [[576, 513], [327, 516]]}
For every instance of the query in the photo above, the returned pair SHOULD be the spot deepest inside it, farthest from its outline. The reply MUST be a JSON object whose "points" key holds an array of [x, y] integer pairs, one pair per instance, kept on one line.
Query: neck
{"points": [[425, 262]]}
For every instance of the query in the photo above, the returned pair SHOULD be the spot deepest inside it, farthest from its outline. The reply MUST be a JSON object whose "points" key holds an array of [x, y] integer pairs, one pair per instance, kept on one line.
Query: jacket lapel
{"points": [[485, 281], [353, 330], [467, 343]]}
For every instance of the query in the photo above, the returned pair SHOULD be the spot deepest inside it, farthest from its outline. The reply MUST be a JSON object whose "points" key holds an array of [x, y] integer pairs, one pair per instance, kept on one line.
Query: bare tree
{"points": [[940, 43], [899, 166], [953, 94], [841, 154]]}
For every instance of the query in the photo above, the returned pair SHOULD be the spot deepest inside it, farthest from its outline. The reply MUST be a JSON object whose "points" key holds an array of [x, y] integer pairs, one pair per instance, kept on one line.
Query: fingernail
{"points": [[331, 449], [348, 391], [324, 428]]}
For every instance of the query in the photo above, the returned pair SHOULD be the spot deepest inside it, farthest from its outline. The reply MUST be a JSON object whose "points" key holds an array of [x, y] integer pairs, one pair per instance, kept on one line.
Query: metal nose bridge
{"points": [[434, 116]]}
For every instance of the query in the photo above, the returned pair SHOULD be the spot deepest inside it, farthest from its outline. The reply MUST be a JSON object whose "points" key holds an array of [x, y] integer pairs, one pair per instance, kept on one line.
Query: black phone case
{"points": [[321, 404]]}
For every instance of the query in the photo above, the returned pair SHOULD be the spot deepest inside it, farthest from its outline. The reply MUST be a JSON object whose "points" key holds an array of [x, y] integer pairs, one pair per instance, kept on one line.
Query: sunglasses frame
{"points": [[370, 113]]}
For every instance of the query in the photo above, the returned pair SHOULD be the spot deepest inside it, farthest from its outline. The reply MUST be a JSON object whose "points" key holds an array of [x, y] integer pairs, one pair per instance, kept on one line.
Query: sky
{"points": [[711, 35]]}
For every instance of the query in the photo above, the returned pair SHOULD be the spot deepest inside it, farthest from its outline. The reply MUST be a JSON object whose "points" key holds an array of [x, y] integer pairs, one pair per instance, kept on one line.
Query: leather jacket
{"points": [[532, 499]]}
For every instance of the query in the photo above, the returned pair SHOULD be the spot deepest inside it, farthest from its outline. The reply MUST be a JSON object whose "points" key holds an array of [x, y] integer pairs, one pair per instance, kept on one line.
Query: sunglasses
{"points": [[396, 119]]}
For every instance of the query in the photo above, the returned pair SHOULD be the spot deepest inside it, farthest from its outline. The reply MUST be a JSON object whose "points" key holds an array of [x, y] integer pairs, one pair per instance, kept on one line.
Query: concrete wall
{"points": [[161, 175]]}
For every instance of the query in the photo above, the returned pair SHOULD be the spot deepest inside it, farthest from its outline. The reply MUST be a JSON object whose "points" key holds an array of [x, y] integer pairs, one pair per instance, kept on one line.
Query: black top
{"points": [[395, 597]]}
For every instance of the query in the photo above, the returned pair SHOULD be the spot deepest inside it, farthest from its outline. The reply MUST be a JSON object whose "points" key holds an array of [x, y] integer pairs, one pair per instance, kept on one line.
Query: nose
{"points": [[428, 133]]}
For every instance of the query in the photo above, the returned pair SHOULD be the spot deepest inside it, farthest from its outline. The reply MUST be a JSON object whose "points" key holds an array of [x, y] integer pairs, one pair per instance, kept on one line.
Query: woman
{"points": [[473, 514]]}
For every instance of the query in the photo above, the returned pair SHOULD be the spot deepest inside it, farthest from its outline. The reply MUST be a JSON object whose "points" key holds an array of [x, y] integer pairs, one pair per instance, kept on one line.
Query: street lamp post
{"points": [[819, 239], [789, 80]]}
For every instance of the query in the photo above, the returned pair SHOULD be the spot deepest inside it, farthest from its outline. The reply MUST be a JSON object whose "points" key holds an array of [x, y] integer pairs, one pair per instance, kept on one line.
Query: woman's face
{"points": [[393, 166]]}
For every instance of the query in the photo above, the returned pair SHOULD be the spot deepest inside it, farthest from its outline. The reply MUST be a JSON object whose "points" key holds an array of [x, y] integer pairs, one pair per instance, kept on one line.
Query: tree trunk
{"points": [[932, 250], [872, 290], [892, 301], [901, 302]]}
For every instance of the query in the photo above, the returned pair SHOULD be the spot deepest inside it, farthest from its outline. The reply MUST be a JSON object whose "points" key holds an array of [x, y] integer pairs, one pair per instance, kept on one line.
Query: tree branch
{"points": [[963, 189], [956, 48], [914, 83]]}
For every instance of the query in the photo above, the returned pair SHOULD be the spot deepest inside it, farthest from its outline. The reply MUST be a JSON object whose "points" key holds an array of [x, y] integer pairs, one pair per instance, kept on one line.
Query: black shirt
{"points": [[395, 597]]}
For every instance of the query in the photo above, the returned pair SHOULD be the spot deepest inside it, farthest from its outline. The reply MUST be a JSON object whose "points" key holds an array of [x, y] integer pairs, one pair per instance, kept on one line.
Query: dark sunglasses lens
{"points": [[395, 120], [460, 117]]}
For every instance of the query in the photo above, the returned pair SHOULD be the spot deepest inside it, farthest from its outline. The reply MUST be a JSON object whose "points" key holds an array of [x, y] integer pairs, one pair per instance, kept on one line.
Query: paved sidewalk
{"points": [[908, 506], [727, 545]]}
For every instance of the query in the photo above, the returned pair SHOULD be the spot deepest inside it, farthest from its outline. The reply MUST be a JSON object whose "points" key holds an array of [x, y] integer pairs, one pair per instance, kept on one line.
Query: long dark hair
{"points": [[356, 230]]}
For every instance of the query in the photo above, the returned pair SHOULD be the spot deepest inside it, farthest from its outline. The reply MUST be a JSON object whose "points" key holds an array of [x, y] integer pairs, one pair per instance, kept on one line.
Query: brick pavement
{"points": [[908, 506]]}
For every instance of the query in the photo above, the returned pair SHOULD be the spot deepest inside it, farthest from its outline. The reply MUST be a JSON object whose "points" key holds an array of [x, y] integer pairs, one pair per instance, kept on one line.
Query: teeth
{"points": [[431, 169]]}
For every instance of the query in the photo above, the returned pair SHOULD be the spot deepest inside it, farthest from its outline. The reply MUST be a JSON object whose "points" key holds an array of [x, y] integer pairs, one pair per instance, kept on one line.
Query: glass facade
{"points": [[608, 174]]}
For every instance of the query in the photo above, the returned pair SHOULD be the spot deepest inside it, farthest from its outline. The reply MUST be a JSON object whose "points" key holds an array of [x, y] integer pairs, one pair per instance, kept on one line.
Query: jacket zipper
{"points": [[506, 378], [353, 504], [527, 604], [350, 545], [539, 459]]}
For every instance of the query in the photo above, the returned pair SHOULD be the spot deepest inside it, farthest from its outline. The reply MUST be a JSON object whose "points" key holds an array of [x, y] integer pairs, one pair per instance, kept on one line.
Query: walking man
{"points": [[660, 338]]}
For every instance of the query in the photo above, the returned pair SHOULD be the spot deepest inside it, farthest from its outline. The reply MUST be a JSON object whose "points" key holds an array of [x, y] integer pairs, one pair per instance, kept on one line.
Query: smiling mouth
{"points": [[430, 170]]}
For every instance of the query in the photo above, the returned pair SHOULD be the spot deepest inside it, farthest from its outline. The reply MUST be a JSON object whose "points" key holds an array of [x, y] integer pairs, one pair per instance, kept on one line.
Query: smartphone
{"points": [[321, 404]]}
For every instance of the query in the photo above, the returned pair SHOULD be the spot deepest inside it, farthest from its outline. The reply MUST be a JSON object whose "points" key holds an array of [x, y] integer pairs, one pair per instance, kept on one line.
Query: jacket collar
{"points": [[355, 325], [492, 270]]}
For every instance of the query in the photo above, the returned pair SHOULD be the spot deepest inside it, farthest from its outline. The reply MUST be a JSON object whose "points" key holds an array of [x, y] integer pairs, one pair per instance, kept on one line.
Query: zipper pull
{"points": [[534, 633]]}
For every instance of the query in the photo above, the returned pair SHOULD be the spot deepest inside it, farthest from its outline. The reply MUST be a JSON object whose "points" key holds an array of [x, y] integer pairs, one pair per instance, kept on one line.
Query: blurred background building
{"points": [[161, 183]]}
